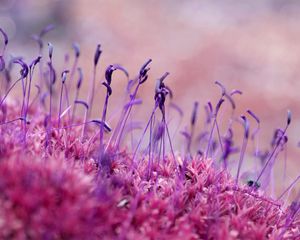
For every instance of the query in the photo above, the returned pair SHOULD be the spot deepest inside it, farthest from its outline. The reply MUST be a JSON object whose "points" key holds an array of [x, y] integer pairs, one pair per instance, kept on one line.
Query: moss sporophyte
{"points": [[66, 175]]}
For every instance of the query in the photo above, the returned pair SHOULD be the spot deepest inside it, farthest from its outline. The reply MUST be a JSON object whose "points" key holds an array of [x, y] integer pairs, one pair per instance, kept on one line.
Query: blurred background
{"points": [[252, 46]]}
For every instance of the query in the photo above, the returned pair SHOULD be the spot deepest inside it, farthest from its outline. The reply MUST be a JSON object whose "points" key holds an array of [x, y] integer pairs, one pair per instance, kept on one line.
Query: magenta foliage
{"points": [[67, 183]]}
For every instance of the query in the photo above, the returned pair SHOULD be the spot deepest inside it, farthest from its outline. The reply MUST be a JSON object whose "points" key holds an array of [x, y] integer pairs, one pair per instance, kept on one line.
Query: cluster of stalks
{"points": [[88, 180]]}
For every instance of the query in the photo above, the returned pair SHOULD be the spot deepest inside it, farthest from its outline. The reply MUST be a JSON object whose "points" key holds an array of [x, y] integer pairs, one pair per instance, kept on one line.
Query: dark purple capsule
{"points": [[2, 64], [24, 71], [108, 88], [144, 79], [230, 133], [278, 134], [157, 87], [76, 48], [144, 69], [130, 84], [222, 87], [186, 134], [230, 99], [208, 114], [170, 92], [160, 129], [108, 73], [43, 98], [64, 76], [35, 62], [38, 40], [194, 114], [45, 30], [97, 54], [160, 88], [177, 108], [253, 184], [219, 105], [289, 117], [50, 50], [236, 92], [46, 120], [143, 72], [52, 73], [4, 36], [163, 77], [106, 127], [246, 126], [254, 116], [82, 103], [210, 107], [24, 120], [12, 62], [110, 69], [79, 82]]}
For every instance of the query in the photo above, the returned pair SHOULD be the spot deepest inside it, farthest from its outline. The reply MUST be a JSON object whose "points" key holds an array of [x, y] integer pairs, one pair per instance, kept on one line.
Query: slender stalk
{"points": [[244, 146], [11, 87], [125, 118], [141, 139], [78, 85], [28, 93], [171, 146], [102, 125], [213, 126], [60, 103], [288, 188], [74, 108], [210, 139], [150, 148], [271, 155], [92, 85], [91, 92], [84, 119], [243, 150]]}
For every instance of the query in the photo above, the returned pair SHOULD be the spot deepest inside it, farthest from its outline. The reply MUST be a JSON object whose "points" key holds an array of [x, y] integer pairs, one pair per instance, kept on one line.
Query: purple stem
{"points": [[60, 102], [289, 187], [11, 121], [214, 124], [91, 92], [168, 133], [243, 150], [24, 88], [126, 115], [244, 146], [85, 114], [84, 119], [210, 139], [12, 86], [150, 148], [272, 154], [219, 137], [141, 139], [36, 97], [72, 73], [49, 123], [68, 102], [102, 125], [28, 94], [74, 108]]}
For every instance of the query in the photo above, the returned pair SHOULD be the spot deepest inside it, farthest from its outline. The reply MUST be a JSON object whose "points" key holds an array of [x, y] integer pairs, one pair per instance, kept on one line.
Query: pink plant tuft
{"points": [[64, 176]]}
